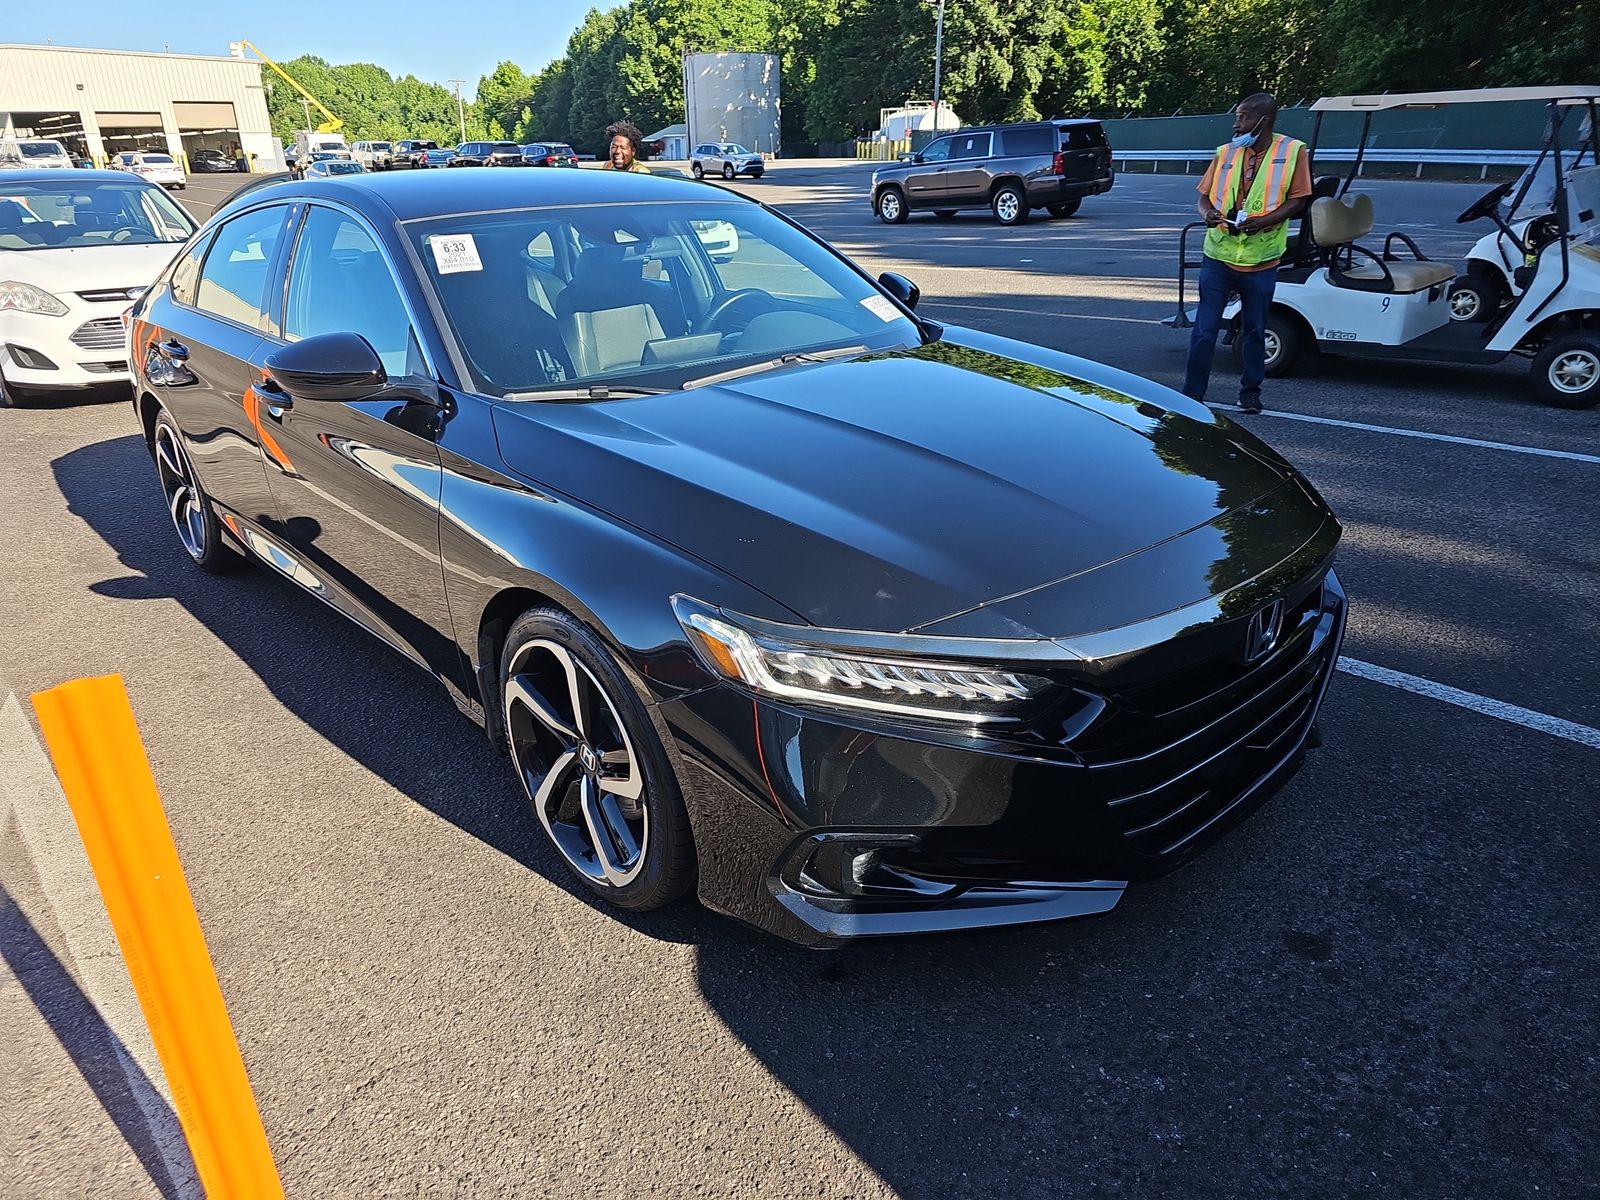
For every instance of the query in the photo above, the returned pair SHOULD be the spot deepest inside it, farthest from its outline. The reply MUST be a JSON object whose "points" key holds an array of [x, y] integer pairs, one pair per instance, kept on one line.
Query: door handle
{"points": [[275, 398], [174, 349]]}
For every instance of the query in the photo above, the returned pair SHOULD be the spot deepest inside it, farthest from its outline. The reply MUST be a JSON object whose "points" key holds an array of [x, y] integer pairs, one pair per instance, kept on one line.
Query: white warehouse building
{"points": [[99, 103]]}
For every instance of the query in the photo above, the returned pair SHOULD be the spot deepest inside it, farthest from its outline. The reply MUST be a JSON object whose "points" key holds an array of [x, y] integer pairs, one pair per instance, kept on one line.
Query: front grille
{"points": [[1191, 765], [103, 334], [111, 295], [105, 368]]}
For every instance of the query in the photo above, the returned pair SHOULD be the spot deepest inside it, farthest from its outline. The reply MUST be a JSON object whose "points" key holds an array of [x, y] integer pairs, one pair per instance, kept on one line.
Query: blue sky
{"points": [[425, 42]]}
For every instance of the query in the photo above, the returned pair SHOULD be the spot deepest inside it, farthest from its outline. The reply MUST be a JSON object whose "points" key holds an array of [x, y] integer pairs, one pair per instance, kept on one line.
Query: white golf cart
{"points": [[1340, 297], [1524, 215]]}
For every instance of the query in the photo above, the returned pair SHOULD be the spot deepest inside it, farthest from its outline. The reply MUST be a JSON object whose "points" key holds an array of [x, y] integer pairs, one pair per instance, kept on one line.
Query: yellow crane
{"points": [[332, 125]]}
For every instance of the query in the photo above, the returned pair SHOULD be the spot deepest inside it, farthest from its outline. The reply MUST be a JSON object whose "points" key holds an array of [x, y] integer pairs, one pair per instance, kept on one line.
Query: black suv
{"points": [[487, 154], [413, 152], [1008, 169]]}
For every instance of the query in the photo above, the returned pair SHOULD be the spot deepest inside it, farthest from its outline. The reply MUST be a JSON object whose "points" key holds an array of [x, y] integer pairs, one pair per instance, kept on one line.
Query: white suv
{"points": [[74, 255], [32, 153], [727, 159], [374, 156]]}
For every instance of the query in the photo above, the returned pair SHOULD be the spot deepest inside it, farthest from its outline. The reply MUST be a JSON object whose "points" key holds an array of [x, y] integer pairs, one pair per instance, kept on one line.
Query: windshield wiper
{"points": [[596, 391], [783, 360]]}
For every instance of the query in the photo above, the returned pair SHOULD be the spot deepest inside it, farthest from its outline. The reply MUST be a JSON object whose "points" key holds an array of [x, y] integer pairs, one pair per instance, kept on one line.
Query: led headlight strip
{"points": [[791, 669]]}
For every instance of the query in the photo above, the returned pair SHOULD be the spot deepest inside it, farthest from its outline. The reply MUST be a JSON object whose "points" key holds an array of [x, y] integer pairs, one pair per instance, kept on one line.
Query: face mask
{"points": [[1244, 139]]}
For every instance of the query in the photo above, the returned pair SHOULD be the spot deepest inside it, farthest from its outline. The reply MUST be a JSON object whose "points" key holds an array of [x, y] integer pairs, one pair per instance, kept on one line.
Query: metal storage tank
{"points": [[732, 97]]}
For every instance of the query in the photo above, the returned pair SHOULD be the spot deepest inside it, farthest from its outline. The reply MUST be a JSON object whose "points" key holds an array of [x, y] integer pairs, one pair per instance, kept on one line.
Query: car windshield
{"points": [[40, 150], [505, 148], [616, 296], [380, 146], [731, 148], [42, 216]]}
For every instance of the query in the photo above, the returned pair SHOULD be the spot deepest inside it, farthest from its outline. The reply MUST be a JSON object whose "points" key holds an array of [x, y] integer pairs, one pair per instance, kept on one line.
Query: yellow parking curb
{"points": [[94, 742]]}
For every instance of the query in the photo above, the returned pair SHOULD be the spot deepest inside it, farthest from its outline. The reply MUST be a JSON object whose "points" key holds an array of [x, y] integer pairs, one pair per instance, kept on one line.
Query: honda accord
{"points": [[768, 586]]}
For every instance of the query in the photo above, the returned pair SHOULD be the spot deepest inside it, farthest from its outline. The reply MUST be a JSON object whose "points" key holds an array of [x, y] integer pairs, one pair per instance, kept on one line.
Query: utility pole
{"points": [[307, 107], [938, 58], [461, 112]]}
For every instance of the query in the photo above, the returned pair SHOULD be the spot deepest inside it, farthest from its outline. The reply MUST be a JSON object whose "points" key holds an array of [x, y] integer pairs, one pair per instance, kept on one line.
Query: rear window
{"points": [[165, 159], [1082, 137], [562, 148], [506, 148]]}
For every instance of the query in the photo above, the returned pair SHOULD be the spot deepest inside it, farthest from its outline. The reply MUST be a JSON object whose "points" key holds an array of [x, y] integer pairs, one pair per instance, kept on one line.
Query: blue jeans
{"points": [[1219, 281]]}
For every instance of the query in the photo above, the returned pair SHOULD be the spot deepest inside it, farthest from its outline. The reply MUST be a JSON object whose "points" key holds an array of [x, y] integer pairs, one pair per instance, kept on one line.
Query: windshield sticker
{"points": [[455, 252], [881, 307]]}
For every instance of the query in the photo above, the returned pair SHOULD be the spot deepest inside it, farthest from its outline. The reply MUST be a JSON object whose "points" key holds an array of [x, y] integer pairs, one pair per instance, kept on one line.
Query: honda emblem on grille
{"points": [[1261, 636]]}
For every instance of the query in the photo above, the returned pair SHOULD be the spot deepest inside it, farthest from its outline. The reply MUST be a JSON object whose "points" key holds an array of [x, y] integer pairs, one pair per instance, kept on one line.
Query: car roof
{"points": [[1058, 122], [407, 196], [56, 175]]}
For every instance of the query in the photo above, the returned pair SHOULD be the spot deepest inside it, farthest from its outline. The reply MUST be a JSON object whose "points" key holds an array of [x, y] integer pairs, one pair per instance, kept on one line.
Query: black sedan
{"points": [[858, 623], [212, 162]]}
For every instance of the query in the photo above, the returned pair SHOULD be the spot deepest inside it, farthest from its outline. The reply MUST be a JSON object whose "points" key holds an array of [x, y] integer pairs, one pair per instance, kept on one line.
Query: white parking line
{"points": [[1556, 727], [1570, 455]]}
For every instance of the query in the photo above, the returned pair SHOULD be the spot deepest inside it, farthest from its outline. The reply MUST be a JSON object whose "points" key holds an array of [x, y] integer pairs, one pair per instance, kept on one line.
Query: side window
{"points": [[340, 283], [974, 145], [233, 281], [937, 152], [187, 273]]}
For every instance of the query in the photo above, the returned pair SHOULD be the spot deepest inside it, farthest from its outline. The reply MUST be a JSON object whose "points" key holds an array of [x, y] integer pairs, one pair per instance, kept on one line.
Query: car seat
{"points": [[1336, 223], [605, 315]]}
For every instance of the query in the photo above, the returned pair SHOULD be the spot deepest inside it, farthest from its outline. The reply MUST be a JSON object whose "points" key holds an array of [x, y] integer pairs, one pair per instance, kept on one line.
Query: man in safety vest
{"points": [[1255, 185]]}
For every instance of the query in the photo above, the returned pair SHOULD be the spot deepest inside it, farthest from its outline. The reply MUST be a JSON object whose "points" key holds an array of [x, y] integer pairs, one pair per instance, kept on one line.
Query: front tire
{"points": [[697, 171], [1009, 205], [727, 171], [1566, 371], [592, 765], [892, 206], [193, 517]]}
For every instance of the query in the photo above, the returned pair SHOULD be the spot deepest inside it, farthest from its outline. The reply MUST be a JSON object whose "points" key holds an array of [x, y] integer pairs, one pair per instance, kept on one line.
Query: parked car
{"points": [[720, 238], [549, 154], [291, 157], [328, 168], [35, 153], [488, 154], [155, 167], [439, 156], [668, 538], [75, 251], [207, 161], [1008, 169], [374, 156], [728, 159], [412, 152]]}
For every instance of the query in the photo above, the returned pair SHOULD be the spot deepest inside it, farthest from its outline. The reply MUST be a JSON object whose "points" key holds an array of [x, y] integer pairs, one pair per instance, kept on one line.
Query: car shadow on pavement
{"points": [[115, 1077], [461, 780]]}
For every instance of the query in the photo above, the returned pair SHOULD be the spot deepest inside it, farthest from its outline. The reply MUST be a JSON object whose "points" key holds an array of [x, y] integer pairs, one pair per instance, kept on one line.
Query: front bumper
{"points": [[85, 347], [822, 829]]}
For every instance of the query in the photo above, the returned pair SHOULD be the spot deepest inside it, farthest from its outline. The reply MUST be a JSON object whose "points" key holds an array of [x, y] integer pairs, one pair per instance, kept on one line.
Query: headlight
{"points": [[24, 297], [779, 661]]}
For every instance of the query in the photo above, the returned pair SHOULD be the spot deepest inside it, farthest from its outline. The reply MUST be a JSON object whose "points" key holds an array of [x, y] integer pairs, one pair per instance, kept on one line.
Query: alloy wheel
{"points": [[889, 206], [181, 493], [1575, 372], [727, 170], [577, 763], [1007, 206]]}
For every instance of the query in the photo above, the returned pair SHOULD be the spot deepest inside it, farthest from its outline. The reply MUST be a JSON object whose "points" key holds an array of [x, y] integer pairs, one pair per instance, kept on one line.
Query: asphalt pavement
{"points": [[1384, 984]]}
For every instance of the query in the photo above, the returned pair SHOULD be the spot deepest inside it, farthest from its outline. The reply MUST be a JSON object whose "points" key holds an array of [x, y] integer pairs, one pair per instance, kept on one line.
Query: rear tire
{"points": [[600, 783], [1566, 371], [1010, 206], [1476, 297], [1285, 343], [892, 206], [1067, 209]]}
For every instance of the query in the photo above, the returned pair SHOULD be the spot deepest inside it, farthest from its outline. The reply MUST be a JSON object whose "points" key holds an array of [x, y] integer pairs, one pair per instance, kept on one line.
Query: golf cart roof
{"points": [[1560, 94]]}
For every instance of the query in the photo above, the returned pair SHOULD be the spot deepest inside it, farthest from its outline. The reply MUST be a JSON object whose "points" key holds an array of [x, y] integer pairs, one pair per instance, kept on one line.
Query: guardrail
{"points": [[1482, 159]]}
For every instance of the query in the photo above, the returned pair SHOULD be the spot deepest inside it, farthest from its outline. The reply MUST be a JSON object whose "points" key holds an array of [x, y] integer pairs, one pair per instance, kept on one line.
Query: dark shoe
{"points": [[1250, 403]]}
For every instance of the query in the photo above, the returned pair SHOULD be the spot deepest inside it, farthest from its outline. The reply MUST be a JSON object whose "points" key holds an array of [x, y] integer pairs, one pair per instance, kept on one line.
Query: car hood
{"points": [[892, 491], [88, 268]]}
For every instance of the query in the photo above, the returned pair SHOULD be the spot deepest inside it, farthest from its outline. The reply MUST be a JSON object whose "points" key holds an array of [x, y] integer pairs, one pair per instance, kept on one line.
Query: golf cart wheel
{"points": [[698, 171], [1067, 209], [891, 206], [1476, 297], [1284, 341], [1566, 372], [728, 171], [1009, 204]]}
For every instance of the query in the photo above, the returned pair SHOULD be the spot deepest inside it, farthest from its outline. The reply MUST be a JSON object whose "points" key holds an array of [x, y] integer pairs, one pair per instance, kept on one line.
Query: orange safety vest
{"points": [[1270, 188]]}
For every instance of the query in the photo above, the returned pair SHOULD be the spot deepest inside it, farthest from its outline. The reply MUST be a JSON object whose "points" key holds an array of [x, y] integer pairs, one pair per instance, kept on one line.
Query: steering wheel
{"points": [[1486, 204], [132, 231], [762, 302]]}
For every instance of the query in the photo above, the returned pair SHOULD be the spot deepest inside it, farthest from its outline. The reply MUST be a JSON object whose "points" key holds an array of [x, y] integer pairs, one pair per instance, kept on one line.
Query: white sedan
{"points": [[76, 249], [153, 167]]}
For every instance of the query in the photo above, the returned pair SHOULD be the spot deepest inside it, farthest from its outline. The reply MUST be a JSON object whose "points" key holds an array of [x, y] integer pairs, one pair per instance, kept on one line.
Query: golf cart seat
{"points": [[1336, 223]]}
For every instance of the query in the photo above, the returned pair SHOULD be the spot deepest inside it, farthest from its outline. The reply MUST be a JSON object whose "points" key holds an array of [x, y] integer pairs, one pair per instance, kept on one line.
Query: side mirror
{"points": [[330, 366], [901, 288]]}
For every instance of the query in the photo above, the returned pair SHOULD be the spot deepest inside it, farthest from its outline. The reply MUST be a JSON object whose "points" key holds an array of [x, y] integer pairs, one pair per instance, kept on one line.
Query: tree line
{"points": [[1004, 60]]}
